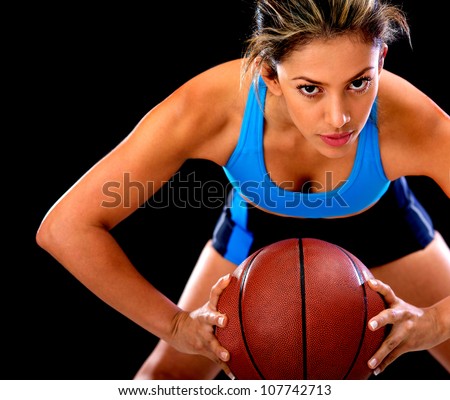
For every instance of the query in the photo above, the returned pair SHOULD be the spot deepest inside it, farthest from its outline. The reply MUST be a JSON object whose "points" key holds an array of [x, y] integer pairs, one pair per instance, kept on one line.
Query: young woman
{"points": [[316, 137]]}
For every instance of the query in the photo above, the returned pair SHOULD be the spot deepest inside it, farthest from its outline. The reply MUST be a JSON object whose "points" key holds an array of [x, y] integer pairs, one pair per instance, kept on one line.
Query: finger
{"points": [[227, 371], [385, 317], [384, 289], [216, 349], [394, 344], [390, 358], [219, 319], [223, 354], [384, 357], [217, 290], [211, 348], [212, 317], [387, 361]]}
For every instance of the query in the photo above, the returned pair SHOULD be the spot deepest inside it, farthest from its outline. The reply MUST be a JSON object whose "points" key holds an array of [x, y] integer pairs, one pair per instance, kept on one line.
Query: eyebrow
{"points": [[305, 78]]}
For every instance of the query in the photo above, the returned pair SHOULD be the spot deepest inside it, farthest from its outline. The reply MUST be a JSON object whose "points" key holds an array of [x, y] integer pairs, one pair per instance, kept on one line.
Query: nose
{"points": [[336, 113]]}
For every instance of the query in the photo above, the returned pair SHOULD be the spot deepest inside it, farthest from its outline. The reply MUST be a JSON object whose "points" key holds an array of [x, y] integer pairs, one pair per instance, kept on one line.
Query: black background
{"points": [[81, 78]]}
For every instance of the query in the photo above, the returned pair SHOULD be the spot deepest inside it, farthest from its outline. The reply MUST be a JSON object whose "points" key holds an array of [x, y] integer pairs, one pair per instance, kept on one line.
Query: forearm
{"points": [[442, 311], [93, 256]]}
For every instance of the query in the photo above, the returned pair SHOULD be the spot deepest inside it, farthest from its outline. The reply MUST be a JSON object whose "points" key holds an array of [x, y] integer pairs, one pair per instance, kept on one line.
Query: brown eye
{"points": [[308, 90], [360, 85]]}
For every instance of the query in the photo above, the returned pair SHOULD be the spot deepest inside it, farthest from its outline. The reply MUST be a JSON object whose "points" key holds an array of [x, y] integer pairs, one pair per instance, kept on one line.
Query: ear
{"points": [[270, 79], [382, 56]]}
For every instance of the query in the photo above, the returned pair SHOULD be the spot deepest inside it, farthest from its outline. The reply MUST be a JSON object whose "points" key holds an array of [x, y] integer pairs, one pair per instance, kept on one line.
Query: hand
{"points": [[193, 332], [413, 328]]}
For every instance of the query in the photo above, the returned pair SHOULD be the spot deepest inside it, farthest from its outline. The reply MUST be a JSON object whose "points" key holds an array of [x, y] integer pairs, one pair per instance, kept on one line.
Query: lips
{"points": [[338, 139]]}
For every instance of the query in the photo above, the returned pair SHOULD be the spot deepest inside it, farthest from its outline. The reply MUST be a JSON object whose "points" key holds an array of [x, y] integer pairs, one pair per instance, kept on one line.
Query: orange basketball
{"points": [[298, 309]]}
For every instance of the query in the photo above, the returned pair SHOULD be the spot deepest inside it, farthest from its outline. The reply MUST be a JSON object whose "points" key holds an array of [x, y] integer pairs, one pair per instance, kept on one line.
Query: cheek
{"points": [[308, 120], [306, 116], [361, 110]]}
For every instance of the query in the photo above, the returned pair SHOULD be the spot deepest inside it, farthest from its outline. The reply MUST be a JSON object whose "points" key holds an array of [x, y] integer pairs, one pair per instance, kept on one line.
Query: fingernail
{"points": [[372, 364], [367, 274], [227, 276], [373, 282], [221, 321], [224, 355], [231, 376], [377, 371], [373, 324]]}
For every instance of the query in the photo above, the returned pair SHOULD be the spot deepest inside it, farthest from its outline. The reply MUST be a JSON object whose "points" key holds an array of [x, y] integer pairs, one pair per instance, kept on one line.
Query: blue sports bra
{"points": [[247, 172]]}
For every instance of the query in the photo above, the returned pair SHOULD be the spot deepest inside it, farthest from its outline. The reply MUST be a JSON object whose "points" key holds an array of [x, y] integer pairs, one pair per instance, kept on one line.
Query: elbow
{"points": [[44, 235], [52, 233]]}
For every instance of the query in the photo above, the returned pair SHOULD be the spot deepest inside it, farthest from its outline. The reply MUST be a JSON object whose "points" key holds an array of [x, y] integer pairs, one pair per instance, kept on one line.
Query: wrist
{"points": [[442, 310]]}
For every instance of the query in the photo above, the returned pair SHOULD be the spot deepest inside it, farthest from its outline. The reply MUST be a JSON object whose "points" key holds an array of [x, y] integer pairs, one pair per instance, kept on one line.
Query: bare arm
{"points": [[414, 132], [414, 140], [419, 328], [76, 229]]}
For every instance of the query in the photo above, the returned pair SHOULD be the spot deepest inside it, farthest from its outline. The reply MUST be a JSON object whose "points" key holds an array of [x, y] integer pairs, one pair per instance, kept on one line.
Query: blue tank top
{"points": [[247, 172]]}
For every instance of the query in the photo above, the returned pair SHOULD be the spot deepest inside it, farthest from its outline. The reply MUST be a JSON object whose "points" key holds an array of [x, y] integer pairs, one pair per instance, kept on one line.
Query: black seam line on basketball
{"points": [[303, 296], [366, 310], [241, 322]]}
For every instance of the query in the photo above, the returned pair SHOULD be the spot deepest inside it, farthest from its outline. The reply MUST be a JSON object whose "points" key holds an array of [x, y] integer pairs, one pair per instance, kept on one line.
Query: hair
{"points": [[283, 26]]}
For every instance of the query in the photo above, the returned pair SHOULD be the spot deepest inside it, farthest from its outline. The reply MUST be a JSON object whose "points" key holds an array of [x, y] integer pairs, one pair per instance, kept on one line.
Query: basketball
{"points": [[298, 309]]}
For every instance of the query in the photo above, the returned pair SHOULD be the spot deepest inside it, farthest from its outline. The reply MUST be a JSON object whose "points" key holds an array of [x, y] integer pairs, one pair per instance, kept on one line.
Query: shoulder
{"points": [[414, 131], [405, 113], [221, 81], [207, 109], [210, 107], [402, 104]]}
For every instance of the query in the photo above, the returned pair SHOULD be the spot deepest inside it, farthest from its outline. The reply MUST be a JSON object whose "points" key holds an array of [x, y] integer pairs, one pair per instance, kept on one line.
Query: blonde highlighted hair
{"points": [[282, 26]]}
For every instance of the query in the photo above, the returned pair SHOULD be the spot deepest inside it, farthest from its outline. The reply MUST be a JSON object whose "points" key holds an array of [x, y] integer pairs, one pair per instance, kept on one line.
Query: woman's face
{"points": [[329, 87]]}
